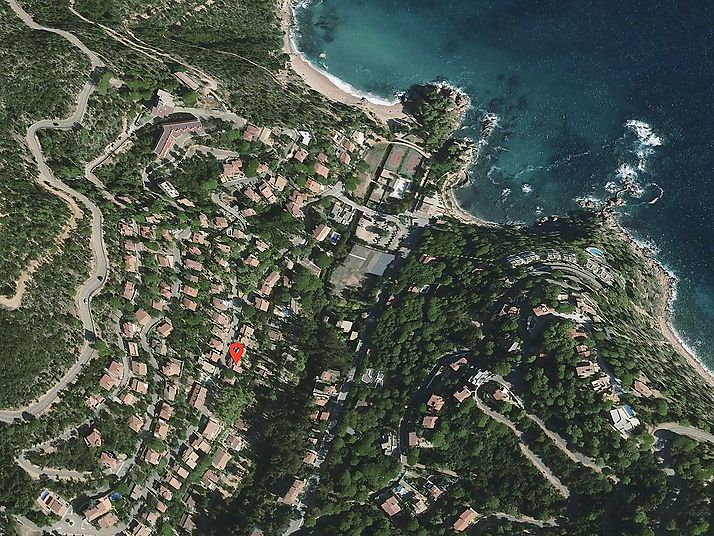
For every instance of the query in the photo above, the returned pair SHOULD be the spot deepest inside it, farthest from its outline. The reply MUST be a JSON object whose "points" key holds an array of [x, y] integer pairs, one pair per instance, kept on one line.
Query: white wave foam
{"points": [[689, 348], [505, 192], [635, 189], [348, 88], [625, 172], [302, 4], [527, 169], [491, 170], [650, 247], [644, 133], [611, 187], [527, 188], [661, 193], [338, 82], [589, 200]]}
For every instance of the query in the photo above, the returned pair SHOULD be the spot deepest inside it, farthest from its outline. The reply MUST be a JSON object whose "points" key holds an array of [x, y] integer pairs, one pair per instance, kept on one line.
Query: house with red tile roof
{"points": [[142, 317], [278, 182], [193, 265], [139, 386], [129, 291], [314, 186], [116, 370], [107, 382], [251, 133], [462, 395], [165, 328], [300, 155], [103, 506], [291, 497], [391, 506], [465, 519], [93, 438], [261, 304], [435, 403], [321, 232], [429, 421], [136, 423], [220, 459], [51, 503], [321, 170]]}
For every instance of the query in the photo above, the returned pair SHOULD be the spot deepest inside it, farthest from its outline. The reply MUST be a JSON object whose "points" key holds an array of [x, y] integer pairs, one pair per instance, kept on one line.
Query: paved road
{"points": [[576, 271], [411, 145], [233, 212], [137, 45], [337, 412], [27, 19], [689, 431], [99, 271], [110, 150], [36, 471], [527, 452], [230, 117], [56, 474], [559, 442], [490, 520], [337, 191]]}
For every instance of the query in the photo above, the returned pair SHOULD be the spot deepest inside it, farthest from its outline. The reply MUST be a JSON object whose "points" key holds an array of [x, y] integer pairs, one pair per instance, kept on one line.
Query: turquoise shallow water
{"points": [[588, 94]]}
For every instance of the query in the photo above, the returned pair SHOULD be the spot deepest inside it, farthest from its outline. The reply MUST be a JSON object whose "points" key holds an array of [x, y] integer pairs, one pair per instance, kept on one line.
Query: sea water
{"points": [[590, 94]]}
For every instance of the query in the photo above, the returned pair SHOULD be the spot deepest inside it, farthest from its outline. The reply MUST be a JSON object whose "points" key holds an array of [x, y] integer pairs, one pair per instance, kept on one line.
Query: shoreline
{"points": [[668, 283], [321, 82], [451, 205]]}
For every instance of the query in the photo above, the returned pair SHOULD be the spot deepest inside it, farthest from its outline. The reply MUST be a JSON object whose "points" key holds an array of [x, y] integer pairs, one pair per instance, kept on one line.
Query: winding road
{"points": [[689, 431], [527, 452], [99, 271], [36, 471]]}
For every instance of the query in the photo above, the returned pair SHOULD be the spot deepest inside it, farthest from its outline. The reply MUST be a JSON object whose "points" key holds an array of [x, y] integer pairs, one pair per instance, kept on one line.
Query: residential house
{"points": [[321, 232], [291, 497], [220, 459], [465, 519], [51, 503], [103, 506], [429, 421], [391, 506], [93, 439], [435, 403]]}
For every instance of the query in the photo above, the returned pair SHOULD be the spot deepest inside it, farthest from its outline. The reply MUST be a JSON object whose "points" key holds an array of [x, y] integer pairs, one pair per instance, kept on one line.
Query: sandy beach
{"points": [[322, 83], [451, 204], [664, 317], [664, 320]]}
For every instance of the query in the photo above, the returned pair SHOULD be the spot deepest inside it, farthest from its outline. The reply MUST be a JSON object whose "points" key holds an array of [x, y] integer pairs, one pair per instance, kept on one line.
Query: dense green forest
{"points": [[416, 329], [43, 337], [41, 73], [444, 300]]}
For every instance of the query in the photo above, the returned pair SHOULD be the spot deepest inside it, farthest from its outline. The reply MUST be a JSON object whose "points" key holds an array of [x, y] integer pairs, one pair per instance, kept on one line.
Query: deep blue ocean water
{"points": [[587, 93]]}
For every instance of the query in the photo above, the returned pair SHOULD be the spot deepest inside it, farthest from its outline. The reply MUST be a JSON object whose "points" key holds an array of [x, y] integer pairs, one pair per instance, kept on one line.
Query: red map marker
{"points": [[236, 350]]}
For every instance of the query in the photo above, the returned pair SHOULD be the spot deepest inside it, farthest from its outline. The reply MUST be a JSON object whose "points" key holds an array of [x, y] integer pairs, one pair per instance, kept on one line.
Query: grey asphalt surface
{"points": [[692, 433], [99, 271]]}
